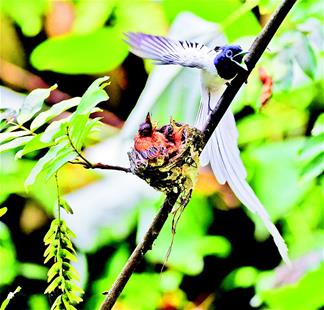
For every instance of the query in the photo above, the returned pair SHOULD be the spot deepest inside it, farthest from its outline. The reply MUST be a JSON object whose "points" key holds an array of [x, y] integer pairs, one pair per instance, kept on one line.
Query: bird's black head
{"points": [[227, 61], [146, 128]]}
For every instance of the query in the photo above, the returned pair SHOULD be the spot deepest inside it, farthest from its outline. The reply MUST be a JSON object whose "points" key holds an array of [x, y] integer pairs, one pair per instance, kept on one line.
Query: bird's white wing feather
{"points": [[167, 51], [224, 156]]}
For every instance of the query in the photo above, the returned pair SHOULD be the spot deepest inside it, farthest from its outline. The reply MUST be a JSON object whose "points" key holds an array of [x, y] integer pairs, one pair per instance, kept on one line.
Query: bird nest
{"points": [[169, 160]]}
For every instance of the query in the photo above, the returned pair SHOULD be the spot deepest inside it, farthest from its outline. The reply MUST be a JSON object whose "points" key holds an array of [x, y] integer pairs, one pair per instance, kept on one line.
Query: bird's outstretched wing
{"points": [[224, 156], [167, 51]]}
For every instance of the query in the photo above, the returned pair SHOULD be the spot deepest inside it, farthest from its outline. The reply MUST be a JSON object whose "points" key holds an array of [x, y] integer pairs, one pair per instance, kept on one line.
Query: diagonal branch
{"points": [[258, 47]]}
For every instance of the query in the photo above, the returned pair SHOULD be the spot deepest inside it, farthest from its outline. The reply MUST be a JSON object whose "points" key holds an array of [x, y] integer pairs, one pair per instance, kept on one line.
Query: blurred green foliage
{"points": [[282, 145]]}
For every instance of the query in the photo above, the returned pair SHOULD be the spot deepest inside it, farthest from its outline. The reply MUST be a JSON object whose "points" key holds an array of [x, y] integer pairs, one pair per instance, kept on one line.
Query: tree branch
{"points": [[258, 47], [108, 167]]}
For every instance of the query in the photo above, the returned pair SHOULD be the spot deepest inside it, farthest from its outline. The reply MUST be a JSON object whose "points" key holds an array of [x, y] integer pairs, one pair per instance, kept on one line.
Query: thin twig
{"points": [[256, 50], [87, 164], [109, 167]]}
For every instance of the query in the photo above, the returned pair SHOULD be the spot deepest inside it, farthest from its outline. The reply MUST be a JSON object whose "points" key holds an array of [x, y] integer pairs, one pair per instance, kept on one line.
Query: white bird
{"points": [[218, 66]]}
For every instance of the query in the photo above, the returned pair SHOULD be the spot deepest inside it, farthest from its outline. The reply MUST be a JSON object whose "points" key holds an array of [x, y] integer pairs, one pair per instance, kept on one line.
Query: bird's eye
{"points": [[229, 54]]}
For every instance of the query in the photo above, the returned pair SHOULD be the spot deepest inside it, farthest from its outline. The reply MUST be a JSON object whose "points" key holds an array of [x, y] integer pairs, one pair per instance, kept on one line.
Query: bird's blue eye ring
{"points": [[229, 54]]}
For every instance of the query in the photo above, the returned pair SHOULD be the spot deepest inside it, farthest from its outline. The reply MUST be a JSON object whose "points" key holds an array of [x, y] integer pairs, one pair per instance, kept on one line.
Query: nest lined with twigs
{"points": [[174, 166]]}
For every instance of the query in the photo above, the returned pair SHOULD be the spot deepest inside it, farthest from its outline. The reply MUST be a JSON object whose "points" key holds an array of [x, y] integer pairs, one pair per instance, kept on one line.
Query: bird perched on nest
{"points": [[218, 66]]}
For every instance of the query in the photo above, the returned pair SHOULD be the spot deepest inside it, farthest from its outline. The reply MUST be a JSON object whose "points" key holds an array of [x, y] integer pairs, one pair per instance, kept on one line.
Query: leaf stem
{"points": [[23, 128], [87, 164]]}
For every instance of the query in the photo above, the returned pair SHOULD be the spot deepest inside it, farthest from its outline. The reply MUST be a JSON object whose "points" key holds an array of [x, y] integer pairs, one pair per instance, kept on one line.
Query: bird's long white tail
{"points": [[223, 154]]}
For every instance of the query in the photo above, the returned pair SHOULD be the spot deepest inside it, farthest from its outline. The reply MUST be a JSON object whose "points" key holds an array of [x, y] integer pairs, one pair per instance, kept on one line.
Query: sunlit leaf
{"points": [[90, 16], [281, 159], [8, 260], [27, 14], [313, 147], [53, 270], [68, 255], [313, 169], [77, 127], [3, 211], [54, 111], [241, 277], [306, 294], [10, 296], [33, 144], [33, 103], [141, 16], [54, 284], [190, 237], [56, 157], [5, 136], [96, 52], [15, 143], [38, 301], [64, 204], [33, 271], [318, 126], [216, 11], [306, 57]]}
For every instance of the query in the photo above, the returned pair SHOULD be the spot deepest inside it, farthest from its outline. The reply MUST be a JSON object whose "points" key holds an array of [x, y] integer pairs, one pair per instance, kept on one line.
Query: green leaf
{"points": [[307, 293], [54, 111], [55, 158], [8, 260], [55, 283], [34, 144], [50, 233], [15, 143], [51, 252], [71, 269], [10, 296], [54, 270], [90, 17], [69, 232], [241, 277], [73, 297], [319, 125], [33, 271], [67, 255], [141, 16], [313, 147], [313, 169], [93, 95], [75, 288], [3, 211], [281, 158], [306, 57], [77, 126], [66, 304], [64, 204], [217, 11], [5, 136], [57, 303], [33, 103], [27, 14], [97, 52]]}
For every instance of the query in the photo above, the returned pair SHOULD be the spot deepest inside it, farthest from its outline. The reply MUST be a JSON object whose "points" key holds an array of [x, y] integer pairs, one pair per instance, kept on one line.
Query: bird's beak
{"points": [[242, 54], [148, 119], [242, 64]]}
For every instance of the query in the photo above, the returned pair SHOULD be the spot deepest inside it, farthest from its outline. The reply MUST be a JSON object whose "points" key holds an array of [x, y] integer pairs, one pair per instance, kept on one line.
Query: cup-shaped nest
{"points": [[167, 158]]}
